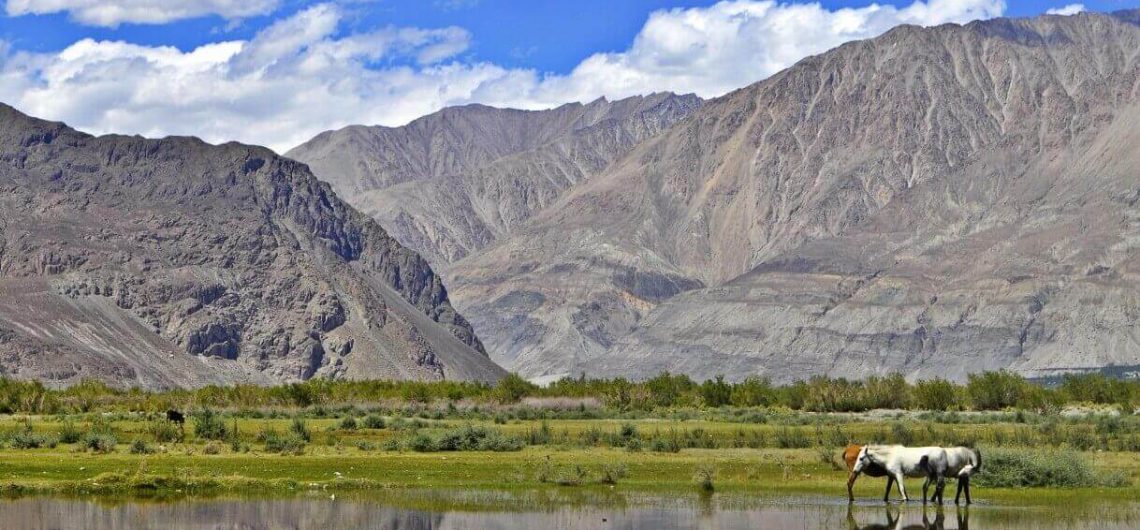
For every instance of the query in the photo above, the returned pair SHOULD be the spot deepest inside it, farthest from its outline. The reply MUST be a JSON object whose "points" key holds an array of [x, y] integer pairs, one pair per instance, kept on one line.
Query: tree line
{"points": [[984, 391]]}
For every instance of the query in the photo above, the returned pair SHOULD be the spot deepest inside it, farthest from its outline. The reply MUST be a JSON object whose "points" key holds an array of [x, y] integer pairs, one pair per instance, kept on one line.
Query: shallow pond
{"points": [[537, 511]]}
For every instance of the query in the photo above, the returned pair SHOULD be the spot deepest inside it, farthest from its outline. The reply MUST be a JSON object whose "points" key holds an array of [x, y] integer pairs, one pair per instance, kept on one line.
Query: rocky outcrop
{"points": [[177, 263]]}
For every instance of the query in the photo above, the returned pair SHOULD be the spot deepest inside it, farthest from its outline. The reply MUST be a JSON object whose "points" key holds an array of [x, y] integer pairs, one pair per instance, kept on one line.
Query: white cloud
{"points": [[1070, 9], [728, 45], [111, 13], [302, 75]]}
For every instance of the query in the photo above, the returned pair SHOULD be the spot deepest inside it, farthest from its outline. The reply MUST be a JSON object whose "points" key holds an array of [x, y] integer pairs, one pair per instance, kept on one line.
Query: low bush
{"points": [[26, 439], [664, 445], [373, 422], [284, 444], [1006, 468], [468, 438], [139, 447], [100, 443], [301, 430], [208, 425], [165, 431], [69, 433]]}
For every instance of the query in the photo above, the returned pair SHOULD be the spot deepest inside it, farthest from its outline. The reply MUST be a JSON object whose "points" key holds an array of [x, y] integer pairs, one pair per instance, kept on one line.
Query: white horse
{"points": [[901, 462], [962, 463]]}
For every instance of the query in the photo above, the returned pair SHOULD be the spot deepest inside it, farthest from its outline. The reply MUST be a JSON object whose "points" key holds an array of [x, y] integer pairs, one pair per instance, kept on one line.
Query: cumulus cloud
{"points": [[302, 75], [1070, 9], [111, 13], [712, 50]]}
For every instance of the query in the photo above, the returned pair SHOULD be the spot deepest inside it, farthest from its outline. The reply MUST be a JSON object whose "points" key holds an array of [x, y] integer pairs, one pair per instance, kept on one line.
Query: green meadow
{"points": [[666, 435]]}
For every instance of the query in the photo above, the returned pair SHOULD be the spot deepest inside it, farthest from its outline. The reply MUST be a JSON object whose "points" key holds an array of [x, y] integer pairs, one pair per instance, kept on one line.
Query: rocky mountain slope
{"points": [[453, 182], [933, 201], [172, 262]]}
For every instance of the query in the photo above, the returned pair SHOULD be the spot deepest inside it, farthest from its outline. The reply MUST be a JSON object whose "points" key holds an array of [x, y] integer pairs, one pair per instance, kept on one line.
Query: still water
{"points": [[363, 512]]}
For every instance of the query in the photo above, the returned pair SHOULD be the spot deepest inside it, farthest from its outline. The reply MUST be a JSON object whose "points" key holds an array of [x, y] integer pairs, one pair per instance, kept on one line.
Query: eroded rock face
{"points": [[177, 263], [933, 201]]}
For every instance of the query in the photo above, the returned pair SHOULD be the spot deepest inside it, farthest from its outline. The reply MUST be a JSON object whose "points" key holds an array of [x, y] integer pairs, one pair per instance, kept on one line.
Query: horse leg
{"points": [[940, 489], [887, 494], [902, 489], [925, 487], [968, 501], [961, 483], [851, 483]]}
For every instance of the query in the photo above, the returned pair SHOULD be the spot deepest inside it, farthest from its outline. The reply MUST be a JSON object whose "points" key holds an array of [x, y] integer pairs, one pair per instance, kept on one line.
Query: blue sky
{"points": [[546, 35], [278, 71]]}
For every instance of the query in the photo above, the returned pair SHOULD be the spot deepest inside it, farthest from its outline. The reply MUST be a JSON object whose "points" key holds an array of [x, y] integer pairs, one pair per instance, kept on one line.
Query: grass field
{"points": [[793, 456]]}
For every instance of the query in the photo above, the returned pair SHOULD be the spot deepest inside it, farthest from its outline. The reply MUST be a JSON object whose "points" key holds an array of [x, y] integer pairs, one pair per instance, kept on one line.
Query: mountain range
{"points": [[933, 201]]}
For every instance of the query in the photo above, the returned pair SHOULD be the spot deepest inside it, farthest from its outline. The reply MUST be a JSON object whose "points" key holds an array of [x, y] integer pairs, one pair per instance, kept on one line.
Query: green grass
{"points": [[670, 455]]}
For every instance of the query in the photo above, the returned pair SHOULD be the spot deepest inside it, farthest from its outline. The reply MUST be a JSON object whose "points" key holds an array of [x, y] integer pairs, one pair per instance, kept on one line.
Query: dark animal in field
{"points": [[176, 417]]}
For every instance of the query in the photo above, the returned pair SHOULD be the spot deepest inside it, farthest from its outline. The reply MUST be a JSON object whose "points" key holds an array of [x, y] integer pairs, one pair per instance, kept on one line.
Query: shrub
{"points": [[165, 432], [575, 476], [633, 445], [422, 443], [69, 433], [1006, 468], [139, 447], [753, 392], [612, 473], [934, 394], [284, 444], [716, 393], [212, 448], [512, 388], [469, 438], [664, 445], [208, 425], [348, 424], [100, 443], [995, 390], [26, 439], [373, 422], [301, 430]]}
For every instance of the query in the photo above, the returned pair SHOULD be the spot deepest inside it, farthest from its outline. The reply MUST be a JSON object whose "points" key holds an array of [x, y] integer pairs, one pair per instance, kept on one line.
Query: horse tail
{"points": [[978, 457]]}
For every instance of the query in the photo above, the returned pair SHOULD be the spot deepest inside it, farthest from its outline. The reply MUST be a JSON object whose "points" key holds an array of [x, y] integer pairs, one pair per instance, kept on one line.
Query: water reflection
{"points": [[422, 511], [894, 520]]}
